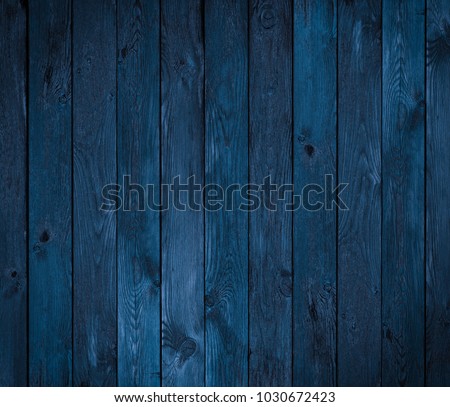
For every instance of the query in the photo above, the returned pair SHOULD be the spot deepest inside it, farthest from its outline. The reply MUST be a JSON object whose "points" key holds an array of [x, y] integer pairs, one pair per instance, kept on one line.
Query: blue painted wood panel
{"points": [[50, 193], [226, 162], [403, 193], [94, 165], [182, 149], [315, 94], [13, 195], [270, 232], [359, 165], [104, 104], [437, 195], [138, 148]]}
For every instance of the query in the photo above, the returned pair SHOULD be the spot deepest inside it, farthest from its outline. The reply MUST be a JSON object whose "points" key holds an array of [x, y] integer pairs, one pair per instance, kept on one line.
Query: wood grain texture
{"points": [[50, 194], [228, 92], [94, 166], [270, 232], [182, 69], [314, 237], [403, 193], [13, 198], [438, 195], [226, 151], [359, 165], [138, 250]]}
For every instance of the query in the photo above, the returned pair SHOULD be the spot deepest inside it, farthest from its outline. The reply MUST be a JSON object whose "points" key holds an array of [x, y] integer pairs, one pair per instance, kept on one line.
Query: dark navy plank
{"points": [[314, 157], [13, 203], [138, 247], [182, 68], [94, 165], [226, 149], [50, 193], [438, 195], [270, 233], [359, 165], [403, 193]]}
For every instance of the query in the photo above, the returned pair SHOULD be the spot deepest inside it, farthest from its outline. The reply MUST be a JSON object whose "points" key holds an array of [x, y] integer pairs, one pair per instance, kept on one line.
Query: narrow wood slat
{"points": [[138, 249], [315, 158], [359, 165], [270, 232], [182, 115], [13, 199], [438, 195], [226, 149], [403, 193], [50, 193], [94, 166]]}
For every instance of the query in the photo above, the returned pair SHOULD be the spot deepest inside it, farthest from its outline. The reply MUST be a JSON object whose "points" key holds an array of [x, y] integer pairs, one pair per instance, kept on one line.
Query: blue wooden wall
{"points": [[230, 91]]}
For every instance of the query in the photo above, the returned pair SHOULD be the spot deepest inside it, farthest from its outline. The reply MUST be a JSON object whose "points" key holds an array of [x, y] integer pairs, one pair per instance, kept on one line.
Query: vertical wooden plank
{"points": [[359, 165], [182, 68], [13, 200], [138, 158], [314, 158], [403, 193], [226, 149], [50, 193], [94, 166], [438, 195], [270, 233]]}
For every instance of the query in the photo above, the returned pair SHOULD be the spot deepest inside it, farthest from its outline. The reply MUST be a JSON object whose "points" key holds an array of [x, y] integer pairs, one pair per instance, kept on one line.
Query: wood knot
{"points": [[15, 285], [267, 17], [304, 135], [187, 349], [209, 300], [313, 311], [389, 335], [62, 99], [285, 283], [179, 65], [309, 149], [327, 287], [45, 237]]}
